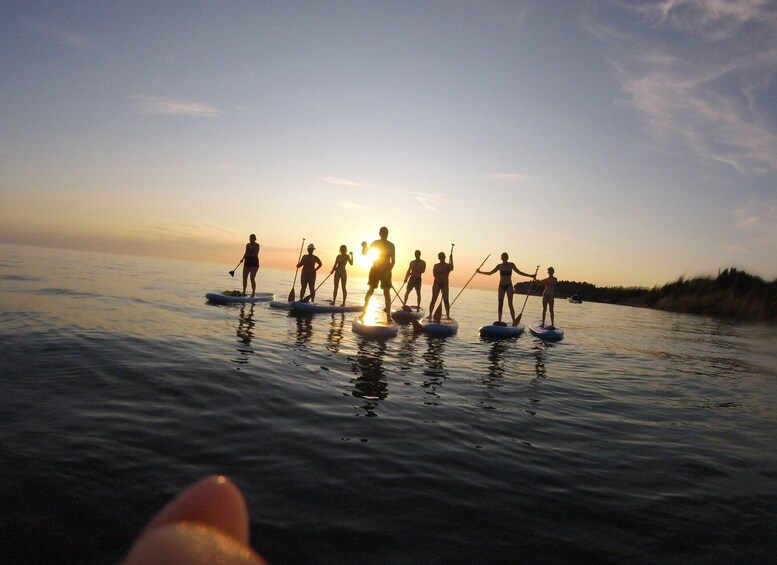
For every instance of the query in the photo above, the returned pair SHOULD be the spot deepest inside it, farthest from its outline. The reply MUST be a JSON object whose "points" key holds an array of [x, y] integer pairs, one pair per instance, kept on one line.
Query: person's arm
{"points": [[491, 272], [451, 269], [409, 270], [517, 270], [246, 251], [350, 257], [365, 248], [392, 258], [301, 263], [318, 263]]}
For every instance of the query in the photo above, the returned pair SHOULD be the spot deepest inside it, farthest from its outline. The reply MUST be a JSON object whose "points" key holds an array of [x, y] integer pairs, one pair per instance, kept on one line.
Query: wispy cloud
{"points": [[507, 177], [702, 72], [156, 105], [341, 181], [62, 35], [426, 200]]}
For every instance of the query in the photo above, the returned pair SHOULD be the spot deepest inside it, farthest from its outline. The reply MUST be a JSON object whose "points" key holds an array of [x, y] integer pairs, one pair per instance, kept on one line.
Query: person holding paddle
{"points": [[548, 296], [413, 277], [441, 272], [506, 269], [310, 264], [380, 272], [250, 264], [341, 275]]}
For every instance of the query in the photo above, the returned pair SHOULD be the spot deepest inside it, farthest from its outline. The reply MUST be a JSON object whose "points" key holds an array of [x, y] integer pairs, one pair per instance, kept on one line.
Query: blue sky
{"points": [[624, 143]]}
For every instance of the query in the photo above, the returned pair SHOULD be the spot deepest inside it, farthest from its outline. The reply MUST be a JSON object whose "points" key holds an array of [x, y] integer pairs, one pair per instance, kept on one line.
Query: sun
{"points": [[365, 261]]}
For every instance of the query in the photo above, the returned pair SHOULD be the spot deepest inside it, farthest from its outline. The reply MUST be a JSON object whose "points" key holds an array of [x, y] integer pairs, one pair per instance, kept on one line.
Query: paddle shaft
{"points": [[293, 284], [307, 298], [470, 279], [232, 272], [396, 294], [528, 292]]}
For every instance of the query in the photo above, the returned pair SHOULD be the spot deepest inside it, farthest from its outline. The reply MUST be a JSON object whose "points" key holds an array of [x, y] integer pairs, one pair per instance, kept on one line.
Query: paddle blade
{"points": [[517, 319], [306, 299], [292, 296], [417, 327], [231, 273], [438, 313]]}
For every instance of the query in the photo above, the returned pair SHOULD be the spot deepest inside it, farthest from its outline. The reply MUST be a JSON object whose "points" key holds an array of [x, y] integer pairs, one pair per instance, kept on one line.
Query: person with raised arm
{"points": [[441, 272], [416, 268], [341, 275], [380, 272], [506, 269]]}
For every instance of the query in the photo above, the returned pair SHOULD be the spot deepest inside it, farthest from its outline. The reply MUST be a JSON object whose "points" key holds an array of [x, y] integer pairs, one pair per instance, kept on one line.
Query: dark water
{"points": [[642, 437]]}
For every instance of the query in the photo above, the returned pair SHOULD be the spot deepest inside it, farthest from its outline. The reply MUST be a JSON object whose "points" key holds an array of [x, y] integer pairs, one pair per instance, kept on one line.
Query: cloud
{"points": [[340, 181], [758, 216], [155, 105], [703, 73], [507, 177], [62, 35], [426, 200]]}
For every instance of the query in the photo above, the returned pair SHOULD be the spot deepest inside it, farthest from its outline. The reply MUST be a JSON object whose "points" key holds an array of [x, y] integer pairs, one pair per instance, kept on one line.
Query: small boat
{"points": [[575, 299], [407, 314], [236, 297]]}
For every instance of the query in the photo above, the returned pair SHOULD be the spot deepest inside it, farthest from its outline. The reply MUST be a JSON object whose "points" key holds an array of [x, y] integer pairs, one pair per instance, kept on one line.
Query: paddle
{"points": [[438, 312], [528, 292], [307, 298], [232, 272], [291, 294], [396, 294]]}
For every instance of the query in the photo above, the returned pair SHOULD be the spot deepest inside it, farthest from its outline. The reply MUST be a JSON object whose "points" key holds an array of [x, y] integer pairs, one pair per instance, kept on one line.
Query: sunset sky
{"points": [[624, 143]]}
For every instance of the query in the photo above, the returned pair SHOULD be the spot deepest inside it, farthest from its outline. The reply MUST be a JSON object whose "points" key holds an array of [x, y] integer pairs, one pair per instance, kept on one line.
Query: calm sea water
{"points": [[643, 436]]}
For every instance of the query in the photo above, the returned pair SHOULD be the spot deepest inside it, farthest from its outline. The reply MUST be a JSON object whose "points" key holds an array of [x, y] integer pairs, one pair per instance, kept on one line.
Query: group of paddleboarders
{"points": [[380, 274]]}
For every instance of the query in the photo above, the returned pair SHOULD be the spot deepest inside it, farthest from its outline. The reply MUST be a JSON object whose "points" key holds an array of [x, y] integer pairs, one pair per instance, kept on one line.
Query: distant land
{"points": [[732, 294]]}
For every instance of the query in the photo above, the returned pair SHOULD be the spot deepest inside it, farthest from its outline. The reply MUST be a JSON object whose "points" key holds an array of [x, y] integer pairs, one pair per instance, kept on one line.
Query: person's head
{"points": [[311, 248], [417, 254], [551, 270], [441, 256], [505, 257], [343, 249], [252, 237], [383, 232]]}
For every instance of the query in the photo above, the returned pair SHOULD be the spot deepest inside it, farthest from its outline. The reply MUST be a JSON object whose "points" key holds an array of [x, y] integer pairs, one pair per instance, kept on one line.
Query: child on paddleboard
{"points": [[548, 296]]}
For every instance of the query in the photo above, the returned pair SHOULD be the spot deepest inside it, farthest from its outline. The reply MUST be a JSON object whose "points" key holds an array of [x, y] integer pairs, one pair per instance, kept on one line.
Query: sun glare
{"points": [[365, 261]]}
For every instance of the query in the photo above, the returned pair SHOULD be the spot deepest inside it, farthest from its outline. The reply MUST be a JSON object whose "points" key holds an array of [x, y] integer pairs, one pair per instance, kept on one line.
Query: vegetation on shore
{"points": [[732, 294]]}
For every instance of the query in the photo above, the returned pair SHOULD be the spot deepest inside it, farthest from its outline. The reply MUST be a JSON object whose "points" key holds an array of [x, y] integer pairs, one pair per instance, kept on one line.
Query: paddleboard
{"points": [[446, 326], [406, 316], [493, 330], [219, 298], [281, 304], [317, 307], [544, 333], [377, 330]]}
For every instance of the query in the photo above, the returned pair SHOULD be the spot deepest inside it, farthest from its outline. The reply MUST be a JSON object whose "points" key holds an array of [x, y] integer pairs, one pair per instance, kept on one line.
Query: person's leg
{"points": [[501, 302], [254, 270], [245, 278], [343, 281], [510, 293], [544, 309], [445, 301], [435, 292], [313, 288], [550, 307], [337, 283]]}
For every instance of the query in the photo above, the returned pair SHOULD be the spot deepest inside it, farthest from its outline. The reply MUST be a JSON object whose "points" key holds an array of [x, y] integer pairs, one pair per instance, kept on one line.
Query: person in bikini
{"points": [[250, 264], [310, 264], [380, 272], [441, 272], [341, 275], [506, 269], [413, 277], [548, 296]]}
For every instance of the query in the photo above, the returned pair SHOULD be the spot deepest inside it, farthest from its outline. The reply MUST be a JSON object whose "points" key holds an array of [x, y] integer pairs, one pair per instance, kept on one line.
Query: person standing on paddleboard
{"points": [[506, 269], [441, 272], [380, 272], [310, 264], [341, 275], [413, 277], [548, 296], [250, 264]]}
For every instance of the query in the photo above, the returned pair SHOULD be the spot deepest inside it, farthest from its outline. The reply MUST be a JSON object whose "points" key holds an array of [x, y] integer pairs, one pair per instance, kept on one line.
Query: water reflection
{"points": [[496, 364], [371, 384], [335, 335], [434, 370], [539, 359], [245, 333], [304, 328]]}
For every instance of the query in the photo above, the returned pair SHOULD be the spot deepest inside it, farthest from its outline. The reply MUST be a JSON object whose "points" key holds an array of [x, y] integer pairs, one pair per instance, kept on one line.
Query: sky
{"points": [[622, 142]]}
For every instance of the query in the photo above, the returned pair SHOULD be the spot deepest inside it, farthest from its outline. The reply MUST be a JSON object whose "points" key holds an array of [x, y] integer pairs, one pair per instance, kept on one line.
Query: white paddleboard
{"points": [[379, 330], [497, 331], [317, 307], [446, 326], [546, 334], [402, 316], [220, 298]]}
